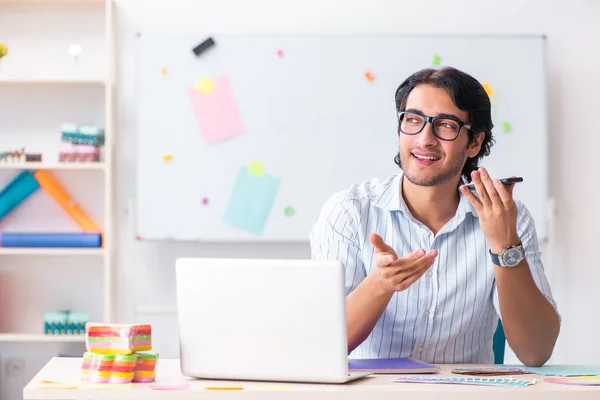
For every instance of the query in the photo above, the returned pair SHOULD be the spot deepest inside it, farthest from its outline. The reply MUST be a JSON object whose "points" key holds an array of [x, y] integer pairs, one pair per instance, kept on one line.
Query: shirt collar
{"points": [[391, 199]]}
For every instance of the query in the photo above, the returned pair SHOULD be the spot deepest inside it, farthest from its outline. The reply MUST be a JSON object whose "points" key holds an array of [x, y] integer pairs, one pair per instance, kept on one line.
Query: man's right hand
{"points": [[395, 273]]}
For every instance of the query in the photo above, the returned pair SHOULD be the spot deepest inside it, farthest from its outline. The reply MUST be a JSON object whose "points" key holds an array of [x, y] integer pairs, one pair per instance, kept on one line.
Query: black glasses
{"points": [[444, 128]]}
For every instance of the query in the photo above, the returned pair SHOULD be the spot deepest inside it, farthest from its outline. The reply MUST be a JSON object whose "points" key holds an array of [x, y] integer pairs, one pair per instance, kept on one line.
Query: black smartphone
{"points": [[506, 181]]}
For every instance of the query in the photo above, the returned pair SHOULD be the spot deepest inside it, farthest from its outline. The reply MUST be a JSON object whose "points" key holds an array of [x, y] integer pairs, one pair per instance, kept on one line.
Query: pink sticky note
{"points": [[170, 386], [217, 113]]}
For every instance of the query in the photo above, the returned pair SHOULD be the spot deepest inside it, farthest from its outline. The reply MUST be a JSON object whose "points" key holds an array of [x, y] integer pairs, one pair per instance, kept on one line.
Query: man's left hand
{"points": [[496, 209]]}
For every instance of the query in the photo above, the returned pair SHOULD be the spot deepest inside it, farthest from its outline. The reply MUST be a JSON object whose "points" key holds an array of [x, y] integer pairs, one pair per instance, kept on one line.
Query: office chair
{"points": [[499, 344]]}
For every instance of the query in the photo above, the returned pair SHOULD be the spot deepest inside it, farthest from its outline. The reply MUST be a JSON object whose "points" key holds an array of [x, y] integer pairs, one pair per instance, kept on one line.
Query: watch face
{"points": [[512, 257]]}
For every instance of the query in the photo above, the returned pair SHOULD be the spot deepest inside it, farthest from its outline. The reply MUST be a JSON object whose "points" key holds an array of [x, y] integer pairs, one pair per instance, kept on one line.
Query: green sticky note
{"points": [[506, 126], [251, 201], [437, 60], [256, 168], [289, 211]]}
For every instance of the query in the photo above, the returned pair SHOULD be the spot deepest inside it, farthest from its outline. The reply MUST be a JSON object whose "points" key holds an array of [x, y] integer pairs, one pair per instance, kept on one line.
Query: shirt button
{"points": [[430, 274], [419, 350], [426, 313]]}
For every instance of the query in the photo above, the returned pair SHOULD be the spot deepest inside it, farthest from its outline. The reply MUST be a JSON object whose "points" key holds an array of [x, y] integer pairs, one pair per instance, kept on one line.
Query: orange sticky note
{"points": [[56, 386], [167, 158], [369, 76], [488, 88], [223, 388]]}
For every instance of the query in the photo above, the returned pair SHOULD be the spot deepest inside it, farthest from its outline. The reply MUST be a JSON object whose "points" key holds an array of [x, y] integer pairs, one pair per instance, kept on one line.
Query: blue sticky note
{"points": [[251, 201], [564, 370]]}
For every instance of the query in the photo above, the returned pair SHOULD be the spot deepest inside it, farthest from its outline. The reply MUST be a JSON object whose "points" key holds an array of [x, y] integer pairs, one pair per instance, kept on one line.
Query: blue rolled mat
{"points": [[19, 239], [16, 191]]}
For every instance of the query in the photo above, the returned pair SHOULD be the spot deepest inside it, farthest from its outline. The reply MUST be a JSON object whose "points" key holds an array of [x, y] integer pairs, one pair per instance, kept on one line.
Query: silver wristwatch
{"points": [[509, 257]]}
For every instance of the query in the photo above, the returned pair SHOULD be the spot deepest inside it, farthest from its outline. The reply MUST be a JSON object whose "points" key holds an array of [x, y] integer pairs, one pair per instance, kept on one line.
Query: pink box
{"points": [[69, 152]]}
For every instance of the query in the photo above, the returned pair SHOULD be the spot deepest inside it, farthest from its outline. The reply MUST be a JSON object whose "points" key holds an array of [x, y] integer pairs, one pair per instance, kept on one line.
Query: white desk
{"points": [[376, 387]]}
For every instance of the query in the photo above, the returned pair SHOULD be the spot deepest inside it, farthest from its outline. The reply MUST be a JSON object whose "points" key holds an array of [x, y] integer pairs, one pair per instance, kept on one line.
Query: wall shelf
{"points": [[52, 1], [90, 166], [51, 81], [32, 337], [50, 251]]}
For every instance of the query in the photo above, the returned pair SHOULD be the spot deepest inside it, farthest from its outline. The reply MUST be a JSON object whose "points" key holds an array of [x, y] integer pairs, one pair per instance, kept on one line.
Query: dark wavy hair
{"points": [[468, 95]]}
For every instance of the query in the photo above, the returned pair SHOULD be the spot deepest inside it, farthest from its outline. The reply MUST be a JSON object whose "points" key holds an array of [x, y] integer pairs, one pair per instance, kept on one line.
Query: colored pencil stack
{"points": [[115, 354]]}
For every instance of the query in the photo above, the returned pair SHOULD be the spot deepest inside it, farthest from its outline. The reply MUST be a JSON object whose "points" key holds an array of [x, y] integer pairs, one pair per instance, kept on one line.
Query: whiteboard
{"points": [[295, 119]]}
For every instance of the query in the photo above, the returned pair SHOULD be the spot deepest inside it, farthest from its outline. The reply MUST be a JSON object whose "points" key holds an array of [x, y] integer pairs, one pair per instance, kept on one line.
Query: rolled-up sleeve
{"points": [[533, 255], [333, 238]]}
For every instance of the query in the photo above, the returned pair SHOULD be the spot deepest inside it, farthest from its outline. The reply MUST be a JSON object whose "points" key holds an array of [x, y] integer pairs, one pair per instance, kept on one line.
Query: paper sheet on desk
{"points": [[575, 380], [563, 370], [508, 382]]}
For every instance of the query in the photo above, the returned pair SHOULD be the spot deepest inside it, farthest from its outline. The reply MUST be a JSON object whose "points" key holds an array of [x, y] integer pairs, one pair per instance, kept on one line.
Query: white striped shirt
{"points": [[450, 314]]}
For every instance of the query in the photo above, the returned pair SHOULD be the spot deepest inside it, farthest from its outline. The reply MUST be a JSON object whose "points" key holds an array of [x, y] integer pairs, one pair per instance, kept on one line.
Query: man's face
{"points": [[425, 159]]}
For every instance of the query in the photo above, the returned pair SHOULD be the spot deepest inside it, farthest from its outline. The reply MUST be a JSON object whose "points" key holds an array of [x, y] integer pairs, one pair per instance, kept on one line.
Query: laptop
{"points": [[266, 320]]}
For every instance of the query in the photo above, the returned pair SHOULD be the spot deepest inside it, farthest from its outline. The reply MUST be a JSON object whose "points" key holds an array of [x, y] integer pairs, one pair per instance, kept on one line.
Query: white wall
{"points": [[573, 56]]}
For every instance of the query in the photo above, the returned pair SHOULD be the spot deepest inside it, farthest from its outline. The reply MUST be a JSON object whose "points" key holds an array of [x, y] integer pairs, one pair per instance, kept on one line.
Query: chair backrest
{"points": [[499, 344]]}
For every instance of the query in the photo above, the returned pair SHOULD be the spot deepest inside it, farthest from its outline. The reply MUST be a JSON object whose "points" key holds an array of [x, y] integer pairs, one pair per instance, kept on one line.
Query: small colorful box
{"points": [[82, 134], [118, 338], [69, 152], [65, 323], [33, 157]]}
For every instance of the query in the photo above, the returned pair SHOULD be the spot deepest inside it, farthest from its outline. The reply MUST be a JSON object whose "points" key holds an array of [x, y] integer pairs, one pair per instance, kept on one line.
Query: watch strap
{"points": [[495, 258]]}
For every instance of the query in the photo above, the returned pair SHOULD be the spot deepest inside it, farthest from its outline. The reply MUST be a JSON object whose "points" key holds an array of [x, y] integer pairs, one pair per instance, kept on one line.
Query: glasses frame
{"points": [[431, 120]]}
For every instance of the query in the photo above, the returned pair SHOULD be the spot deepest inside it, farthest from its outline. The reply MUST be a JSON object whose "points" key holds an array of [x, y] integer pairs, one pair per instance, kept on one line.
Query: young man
{"points": [[430, 265]]}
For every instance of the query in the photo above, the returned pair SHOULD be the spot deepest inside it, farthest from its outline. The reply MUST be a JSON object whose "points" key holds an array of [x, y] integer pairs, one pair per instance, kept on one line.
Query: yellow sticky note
{"points": [[488, 89], [256, 168], [205, 85], [224, 387], [3, 50], [55, 386], [167, 158]]}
